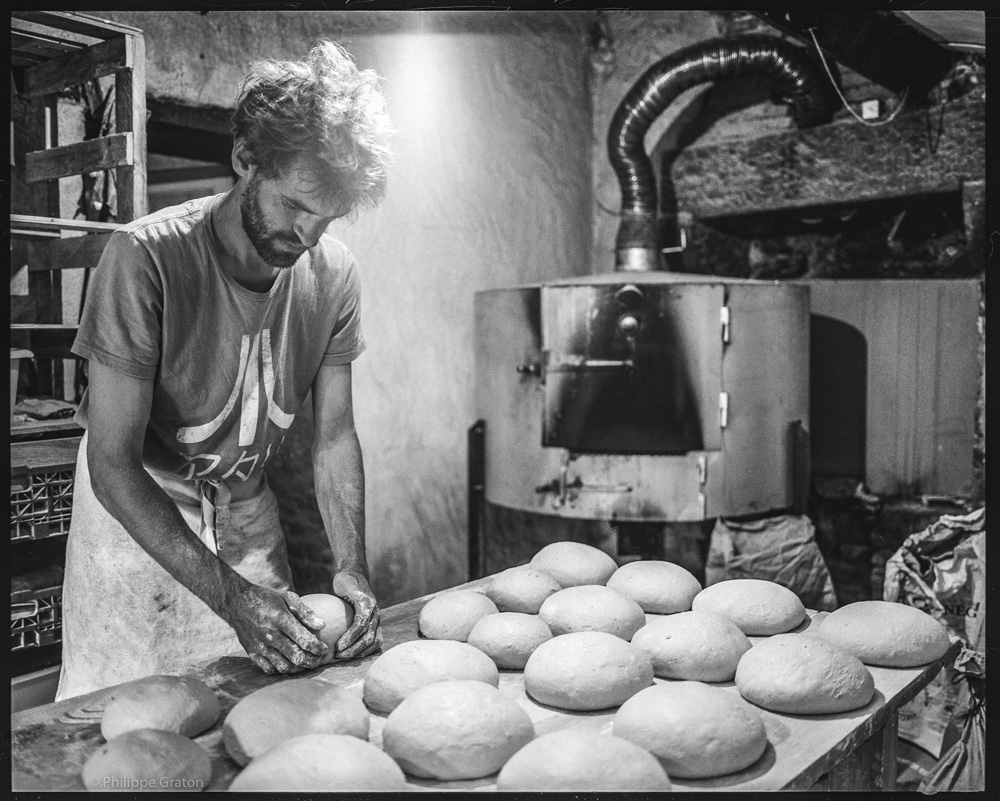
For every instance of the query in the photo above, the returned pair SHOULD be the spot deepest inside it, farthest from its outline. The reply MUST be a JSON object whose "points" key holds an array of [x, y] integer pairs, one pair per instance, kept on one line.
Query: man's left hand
{"points": [[365, 633]]}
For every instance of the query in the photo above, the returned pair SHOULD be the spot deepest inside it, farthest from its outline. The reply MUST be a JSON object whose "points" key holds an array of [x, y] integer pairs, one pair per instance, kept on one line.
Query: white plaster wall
{"points": [[491, 187]]}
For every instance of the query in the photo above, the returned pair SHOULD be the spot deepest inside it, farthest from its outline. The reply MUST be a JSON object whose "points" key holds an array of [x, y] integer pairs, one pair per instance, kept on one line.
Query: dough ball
{"points": [[886, 633], [592, 608], [451, 615], [509, 638], [574, 563], [321, 763], [802, 675], [572, 760], [757, 607], [696, 646], [456, 730], [695, 729], [148, 760], [586, 670], [338, 616], [660, 588], [179, 704], [521, 589], [411, 665], [269, 716]]}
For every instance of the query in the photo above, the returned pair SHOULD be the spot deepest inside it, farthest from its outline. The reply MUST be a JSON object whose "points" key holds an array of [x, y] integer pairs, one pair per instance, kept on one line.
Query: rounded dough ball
{"points": [[412, 665], [572, 760], [660, 588], [574, 563], [802, 675], [451, 615], [586, 670], [321, 763], [592, 608], [886, 633], [758, 607], [456, 730], [149, 760], [180, 704], [271, 715], [695, 729], [696, 646], [338, 616], [521, 589], [509, 638]]}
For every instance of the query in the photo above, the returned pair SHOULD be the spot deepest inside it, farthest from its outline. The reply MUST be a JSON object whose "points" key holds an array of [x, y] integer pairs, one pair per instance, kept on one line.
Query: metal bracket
{"points": [[723, 409], [679, 248], [724, 319]]}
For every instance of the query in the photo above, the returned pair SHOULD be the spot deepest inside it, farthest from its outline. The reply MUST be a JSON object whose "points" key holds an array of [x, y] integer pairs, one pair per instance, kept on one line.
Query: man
{"points": [[206, 325]]}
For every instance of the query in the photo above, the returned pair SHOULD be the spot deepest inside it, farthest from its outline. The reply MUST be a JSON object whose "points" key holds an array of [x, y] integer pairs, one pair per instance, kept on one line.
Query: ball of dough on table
{"points": [[273, 714], [586, 670], [521, 589], [886, 633], [574, 563], [509, 638], [660, 588], [456, 730], [758, 607], [149, 760], [574, 760], [592, 607], [338, 616], [696, 646], [411, 665], [180, 704], [802, 675], [321, 763], [451, 615], [696, 730]]}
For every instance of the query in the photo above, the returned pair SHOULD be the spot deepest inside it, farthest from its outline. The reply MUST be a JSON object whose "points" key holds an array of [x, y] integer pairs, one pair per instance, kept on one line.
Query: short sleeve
{"points": [[121, 323], [347, 341]]}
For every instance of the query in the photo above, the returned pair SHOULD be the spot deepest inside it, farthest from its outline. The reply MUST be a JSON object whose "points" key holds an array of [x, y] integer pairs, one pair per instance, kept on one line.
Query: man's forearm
{"points": [[153, 520], [340, 493]]}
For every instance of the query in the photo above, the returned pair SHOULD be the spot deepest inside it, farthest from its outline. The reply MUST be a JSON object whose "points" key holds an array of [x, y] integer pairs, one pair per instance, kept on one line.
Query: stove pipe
{"points": [[637, 246]]}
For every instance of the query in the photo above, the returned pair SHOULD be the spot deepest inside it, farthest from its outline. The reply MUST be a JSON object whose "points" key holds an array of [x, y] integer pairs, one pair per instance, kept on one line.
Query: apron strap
{"points": [[215, 513]]}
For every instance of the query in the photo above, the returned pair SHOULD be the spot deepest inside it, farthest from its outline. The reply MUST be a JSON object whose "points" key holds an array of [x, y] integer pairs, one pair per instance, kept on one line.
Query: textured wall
{"points": [[491, 187]]}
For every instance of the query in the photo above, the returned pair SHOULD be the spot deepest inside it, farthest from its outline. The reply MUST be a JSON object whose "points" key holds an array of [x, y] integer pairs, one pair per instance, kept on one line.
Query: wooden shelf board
{"points": [[27, 222]]}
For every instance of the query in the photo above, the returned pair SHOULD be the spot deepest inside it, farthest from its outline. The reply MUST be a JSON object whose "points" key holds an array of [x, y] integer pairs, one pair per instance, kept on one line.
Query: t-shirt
{"points": [[230, 367]]}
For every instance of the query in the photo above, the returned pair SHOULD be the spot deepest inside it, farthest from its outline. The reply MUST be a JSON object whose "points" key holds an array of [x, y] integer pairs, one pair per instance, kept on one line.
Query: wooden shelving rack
{"points": [[51, 53]]}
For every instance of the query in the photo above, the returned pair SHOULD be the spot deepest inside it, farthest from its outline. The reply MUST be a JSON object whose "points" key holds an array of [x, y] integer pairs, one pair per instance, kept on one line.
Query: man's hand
{"points": [[365, 633], [269, 625]]}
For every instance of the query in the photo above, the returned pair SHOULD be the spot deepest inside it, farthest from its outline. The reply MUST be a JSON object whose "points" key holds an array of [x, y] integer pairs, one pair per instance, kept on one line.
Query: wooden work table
{"points": [[854, 750]]}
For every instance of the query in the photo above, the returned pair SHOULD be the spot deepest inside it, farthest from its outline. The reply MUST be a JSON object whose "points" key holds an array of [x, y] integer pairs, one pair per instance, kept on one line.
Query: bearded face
{"points": [[275, 243]]}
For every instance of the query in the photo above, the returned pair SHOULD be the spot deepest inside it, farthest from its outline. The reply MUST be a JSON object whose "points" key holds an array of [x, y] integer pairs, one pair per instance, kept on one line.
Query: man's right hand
{"points": [[269, 625]]}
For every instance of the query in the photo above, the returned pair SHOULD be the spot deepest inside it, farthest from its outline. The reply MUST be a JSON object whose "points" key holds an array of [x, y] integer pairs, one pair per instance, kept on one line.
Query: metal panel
{"points": [[632, 369], [765, 375], [763, 369]]}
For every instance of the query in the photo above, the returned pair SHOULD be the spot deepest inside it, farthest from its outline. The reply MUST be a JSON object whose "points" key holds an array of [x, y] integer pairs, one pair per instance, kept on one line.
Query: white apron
{"points": [[124, 616]]}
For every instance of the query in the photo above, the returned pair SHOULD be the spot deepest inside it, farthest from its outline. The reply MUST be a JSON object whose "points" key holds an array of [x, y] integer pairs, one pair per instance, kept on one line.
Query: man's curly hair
{"points": [[325, 111]]}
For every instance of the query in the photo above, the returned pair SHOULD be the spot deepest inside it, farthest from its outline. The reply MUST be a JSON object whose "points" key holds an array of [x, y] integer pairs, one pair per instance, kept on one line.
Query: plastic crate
{"points": [[36, 621], [40, 504]]}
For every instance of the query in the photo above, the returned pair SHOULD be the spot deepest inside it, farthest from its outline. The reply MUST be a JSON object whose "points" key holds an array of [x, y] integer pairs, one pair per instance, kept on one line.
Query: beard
{"points": [[264, 239]]}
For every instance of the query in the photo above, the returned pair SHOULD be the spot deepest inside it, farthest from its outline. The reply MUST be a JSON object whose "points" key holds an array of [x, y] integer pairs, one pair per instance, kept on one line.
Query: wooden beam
{"points": [[75, 68], [27, 222], [103, 153], [130, 116], [921, 152], [75, 22], [78, 252]]}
